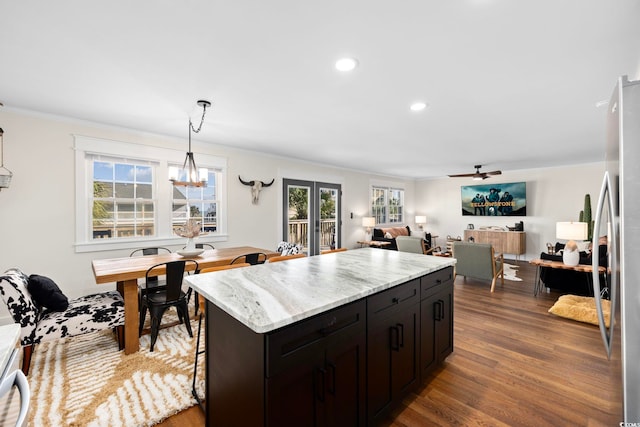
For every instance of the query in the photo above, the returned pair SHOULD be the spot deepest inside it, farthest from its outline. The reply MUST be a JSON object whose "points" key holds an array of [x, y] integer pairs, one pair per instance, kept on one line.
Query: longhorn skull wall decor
{"points": [[256, 186]]}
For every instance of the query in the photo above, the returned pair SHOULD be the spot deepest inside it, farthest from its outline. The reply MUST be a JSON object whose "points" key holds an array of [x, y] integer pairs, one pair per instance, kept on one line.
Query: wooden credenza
{"points": [[506, 242]]}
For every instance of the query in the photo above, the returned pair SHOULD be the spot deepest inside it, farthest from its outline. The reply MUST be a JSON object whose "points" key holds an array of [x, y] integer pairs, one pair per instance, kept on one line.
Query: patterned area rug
{"points": [[86, 381], [510, 272]]}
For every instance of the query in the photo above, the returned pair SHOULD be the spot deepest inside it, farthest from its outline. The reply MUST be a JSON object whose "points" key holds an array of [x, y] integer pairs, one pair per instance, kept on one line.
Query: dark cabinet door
{"points": [[345, 383], [328, 390], [404, 351], [293, 397], [436, 329], [316, 370], [392, 359], [430, 309], [444, 324]]}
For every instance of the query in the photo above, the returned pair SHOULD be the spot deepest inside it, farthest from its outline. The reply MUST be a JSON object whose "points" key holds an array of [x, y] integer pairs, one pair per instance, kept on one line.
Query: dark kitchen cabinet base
{"points": [[349, 366]]}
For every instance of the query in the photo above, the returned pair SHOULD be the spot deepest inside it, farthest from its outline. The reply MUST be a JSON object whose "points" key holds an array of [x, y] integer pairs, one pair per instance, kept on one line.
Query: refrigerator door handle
{"points": [[605, 198]]}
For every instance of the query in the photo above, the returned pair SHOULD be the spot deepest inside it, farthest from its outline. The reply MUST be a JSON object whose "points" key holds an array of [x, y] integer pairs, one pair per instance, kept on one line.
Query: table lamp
{"points": [[420, 221], [571, 231], [368, 222]]}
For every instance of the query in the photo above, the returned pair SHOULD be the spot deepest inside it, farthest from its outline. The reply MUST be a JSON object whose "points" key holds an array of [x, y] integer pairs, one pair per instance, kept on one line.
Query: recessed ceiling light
{"points": [[346, 64], [418, 106]]}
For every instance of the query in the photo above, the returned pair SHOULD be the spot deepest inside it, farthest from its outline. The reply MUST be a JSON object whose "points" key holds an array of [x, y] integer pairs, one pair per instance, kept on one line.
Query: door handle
{"points": [[394, 339], [606, 198], [437, 311], [320, 385], [400, 327], [332, 376]]}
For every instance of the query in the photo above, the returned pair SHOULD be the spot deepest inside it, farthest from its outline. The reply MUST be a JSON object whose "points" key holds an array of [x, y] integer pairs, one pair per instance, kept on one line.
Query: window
{"points": [[123, 204], [198, 203], [124, 198], [387, 205]]}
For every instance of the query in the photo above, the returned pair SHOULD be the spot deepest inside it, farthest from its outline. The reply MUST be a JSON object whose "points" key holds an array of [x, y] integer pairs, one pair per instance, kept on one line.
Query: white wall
{"points": [[37, 215], [553, 194]]}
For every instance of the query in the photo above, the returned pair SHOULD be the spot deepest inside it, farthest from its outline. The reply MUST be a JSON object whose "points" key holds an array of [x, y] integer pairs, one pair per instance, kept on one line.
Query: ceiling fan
{"points": [[477, 176]]}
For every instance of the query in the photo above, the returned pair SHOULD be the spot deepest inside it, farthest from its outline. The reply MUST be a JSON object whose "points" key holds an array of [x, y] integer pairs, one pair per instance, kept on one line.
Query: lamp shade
{"points": [[421, 219], [368, 221], [571, 230]]}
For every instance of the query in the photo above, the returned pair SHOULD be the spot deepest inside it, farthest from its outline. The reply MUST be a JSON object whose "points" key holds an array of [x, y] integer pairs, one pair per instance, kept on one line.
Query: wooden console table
{"points": [[506, 242], [584, 268]]}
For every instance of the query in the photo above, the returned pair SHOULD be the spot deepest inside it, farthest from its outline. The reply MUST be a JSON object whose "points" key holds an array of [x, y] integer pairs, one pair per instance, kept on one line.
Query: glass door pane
{"points": [[311, 215], [329, 215], [297, 214]]}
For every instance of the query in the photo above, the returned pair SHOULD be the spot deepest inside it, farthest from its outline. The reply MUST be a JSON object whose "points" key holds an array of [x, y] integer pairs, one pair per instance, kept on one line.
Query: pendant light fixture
{"points": [[190, 175], [5, 174]]}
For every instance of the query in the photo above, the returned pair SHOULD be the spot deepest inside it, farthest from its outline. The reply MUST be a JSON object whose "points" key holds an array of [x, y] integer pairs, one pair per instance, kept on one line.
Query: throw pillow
{"points": [[286, 248], [388, 235], [46, 293]]}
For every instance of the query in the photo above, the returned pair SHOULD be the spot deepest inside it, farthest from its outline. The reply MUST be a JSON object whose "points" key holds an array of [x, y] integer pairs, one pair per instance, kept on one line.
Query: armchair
{"points": [[39, 323], [413, 244], [478, 260]]}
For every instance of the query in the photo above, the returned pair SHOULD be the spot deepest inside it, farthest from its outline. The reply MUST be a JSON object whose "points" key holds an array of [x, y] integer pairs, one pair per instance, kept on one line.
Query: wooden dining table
{"points": [[127, 270]]}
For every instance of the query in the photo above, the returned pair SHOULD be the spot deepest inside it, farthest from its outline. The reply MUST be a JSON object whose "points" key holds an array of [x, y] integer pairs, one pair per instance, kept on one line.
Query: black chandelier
{"points": [[189, 175]]}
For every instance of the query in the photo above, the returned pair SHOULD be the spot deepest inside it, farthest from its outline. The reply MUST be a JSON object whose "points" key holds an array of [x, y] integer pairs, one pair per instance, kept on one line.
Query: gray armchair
{"points": [[413, 244], [478, 260]]}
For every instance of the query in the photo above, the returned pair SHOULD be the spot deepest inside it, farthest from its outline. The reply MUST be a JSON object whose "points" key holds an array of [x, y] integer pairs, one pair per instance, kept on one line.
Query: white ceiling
{"points": [[510, 84]]}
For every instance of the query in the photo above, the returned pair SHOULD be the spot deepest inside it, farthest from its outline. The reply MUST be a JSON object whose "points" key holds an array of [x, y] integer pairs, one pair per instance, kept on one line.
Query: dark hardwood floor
{"points": [[513, 364]]}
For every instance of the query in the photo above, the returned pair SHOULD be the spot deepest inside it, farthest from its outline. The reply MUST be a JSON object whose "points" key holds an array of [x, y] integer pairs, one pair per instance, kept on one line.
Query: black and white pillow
{"points": [[286, 248]]}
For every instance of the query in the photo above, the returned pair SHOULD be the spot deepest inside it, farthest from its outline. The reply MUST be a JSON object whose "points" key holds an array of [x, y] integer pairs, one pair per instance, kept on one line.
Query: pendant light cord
{"points": [[191, 128]]}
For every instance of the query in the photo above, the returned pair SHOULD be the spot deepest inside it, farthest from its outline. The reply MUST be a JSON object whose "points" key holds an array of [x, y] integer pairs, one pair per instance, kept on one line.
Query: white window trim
{"points": [[84, 145]]}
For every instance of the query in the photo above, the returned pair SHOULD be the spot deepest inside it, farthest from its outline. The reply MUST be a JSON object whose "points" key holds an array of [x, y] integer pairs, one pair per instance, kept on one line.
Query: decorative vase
{"points": [[191, 244], [570, 258]]}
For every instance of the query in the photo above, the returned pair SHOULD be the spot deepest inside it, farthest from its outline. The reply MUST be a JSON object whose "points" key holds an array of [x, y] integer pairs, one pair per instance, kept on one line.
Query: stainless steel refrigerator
{"points": [[618, 217]]}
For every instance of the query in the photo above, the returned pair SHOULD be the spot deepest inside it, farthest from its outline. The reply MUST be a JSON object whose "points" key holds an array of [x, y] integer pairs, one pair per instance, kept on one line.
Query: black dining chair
{"points": [[156, 250], [172, 295], [195, 298], [252, 258]]}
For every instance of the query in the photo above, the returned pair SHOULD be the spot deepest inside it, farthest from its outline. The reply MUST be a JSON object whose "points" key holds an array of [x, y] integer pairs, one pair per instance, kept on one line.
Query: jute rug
{"points": [[86, 381]]}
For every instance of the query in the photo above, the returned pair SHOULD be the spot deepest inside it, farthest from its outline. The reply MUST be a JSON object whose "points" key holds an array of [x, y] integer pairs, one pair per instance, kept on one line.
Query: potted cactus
{"points": [[585, 216]]}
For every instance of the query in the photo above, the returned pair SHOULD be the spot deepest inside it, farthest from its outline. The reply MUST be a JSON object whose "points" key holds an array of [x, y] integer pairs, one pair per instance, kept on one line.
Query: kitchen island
{"points": [[336, 339]]}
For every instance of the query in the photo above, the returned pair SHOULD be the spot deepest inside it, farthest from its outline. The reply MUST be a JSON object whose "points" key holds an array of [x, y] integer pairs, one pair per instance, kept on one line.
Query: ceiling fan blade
{"points": [[462, 175], [477, 174]]}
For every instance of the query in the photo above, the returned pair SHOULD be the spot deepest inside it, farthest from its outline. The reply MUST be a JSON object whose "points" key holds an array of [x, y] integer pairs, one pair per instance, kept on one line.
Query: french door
{"points": [[311, 215]]}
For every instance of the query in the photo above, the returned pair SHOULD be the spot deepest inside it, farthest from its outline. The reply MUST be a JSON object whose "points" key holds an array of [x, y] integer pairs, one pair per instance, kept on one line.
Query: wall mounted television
{"points": [[506, 199]]}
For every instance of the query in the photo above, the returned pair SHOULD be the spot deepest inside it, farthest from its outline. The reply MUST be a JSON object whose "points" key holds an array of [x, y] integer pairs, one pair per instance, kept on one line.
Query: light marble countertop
{"points": [[9, 337], [269, 296]]}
